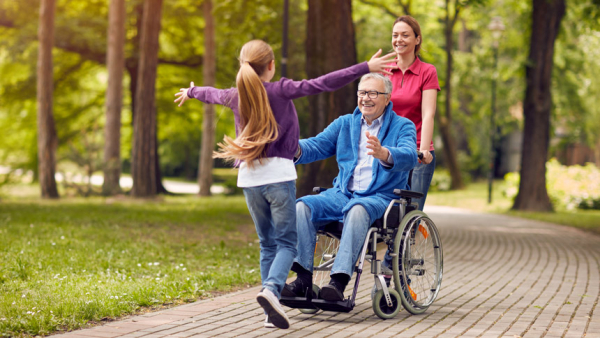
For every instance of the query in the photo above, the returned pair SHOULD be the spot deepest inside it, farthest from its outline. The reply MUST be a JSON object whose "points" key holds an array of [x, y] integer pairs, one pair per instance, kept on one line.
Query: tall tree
{"points": [[208, 123], [445, 120], [47, 139], [326, 52], [537, 106], [144, 168], [115, 62]]}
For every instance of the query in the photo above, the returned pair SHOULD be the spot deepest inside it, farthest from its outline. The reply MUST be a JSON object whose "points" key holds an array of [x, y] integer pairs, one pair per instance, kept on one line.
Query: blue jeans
{"points": [[356, 224], [272, 207], [419, 181]]}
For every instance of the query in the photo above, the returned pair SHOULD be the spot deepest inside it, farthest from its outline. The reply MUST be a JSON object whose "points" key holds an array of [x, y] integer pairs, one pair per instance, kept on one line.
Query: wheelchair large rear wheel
{"points": [[418, 262]]}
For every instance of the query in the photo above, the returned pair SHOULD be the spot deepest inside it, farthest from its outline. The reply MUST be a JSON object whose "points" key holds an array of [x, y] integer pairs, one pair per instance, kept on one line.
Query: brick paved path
{"points": [[503, 277]]}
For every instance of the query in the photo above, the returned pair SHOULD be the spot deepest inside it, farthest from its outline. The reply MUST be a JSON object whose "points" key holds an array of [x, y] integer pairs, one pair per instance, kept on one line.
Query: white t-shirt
{"points": [[272, 170]]}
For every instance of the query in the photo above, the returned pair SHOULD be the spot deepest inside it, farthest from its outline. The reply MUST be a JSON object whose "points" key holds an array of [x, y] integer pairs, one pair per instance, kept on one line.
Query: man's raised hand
{"points": [[379, 152]]}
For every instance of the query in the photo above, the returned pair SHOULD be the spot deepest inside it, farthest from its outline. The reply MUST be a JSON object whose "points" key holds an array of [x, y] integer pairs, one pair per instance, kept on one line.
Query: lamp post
{"points": [[496, 27]]}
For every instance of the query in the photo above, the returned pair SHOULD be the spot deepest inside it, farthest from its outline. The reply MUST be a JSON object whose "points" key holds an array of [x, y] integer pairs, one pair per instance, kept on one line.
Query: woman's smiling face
{"points": [[404, 40]]}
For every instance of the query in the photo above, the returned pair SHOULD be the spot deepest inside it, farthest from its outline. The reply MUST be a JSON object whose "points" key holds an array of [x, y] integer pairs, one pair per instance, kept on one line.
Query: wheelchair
{"points": [[417, 262]]}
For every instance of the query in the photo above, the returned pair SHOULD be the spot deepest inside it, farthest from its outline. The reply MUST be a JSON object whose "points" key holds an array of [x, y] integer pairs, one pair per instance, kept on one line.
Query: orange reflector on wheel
{"points": [[412, 293], [316, 244], [423, 231]]}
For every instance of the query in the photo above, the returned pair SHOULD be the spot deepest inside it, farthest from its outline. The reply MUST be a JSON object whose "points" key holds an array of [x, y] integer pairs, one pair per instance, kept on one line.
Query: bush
{"points": [[569, 187], [441, 180]]}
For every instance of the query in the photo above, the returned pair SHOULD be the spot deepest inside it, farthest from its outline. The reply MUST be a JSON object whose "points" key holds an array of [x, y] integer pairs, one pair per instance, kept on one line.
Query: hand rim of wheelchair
{"points": [[409, 221]]}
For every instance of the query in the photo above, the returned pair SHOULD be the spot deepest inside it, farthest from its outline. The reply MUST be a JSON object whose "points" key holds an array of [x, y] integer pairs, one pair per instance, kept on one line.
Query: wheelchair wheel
{"points": [[418, 262], [326, 249], [316, 291], [325, 253], [381, 308]]}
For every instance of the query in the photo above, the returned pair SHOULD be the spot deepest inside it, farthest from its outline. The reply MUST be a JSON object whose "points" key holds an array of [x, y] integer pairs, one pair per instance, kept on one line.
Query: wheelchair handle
{"points": [[420, 155]]}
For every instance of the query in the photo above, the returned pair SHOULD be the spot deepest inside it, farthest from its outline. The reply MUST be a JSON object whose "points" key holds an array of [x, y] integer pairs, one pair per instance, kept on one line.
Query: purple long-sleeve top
{"points": [[281, 93]]}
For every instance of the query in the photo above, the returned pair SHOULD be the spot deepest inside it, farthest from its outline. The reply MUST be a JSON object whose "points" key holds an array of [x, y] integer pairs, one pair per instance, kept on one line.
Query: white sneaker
{"points": [[268, 323], [270, 304]]}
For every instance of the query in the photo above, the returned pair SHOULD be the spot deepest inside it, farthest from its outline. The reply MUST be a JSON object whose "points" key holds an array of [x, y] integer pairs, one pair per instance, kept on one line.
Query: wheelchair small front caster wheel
{"points": [[381, 308], [316, 290]]}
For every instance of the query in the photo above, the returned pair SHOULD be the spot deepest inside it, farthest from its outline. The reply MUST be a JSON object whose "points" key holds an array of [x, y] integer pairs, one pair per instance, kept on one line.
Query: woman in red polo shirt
{"points": [[414, 97]]}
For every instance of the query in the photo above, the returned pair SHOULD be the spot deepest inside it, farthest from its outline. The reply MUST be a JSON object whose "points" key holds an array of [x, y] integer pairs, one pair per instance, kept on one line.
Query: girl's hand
{"points": [[182, 95], [379, 152], [427, 157], [382, 64]]}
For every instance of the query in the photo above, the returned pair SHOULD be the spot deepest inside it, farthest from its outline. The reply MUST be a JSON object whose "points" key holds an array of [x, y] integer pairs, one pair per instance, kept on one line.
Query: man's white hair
{"points": [[386, 81]]}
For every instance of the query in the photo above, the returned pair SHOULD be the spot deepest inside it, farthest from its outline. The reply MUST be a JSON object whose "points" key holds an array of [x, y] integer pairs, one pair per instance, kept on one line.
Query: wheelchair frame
{"points": [[399, 236]]}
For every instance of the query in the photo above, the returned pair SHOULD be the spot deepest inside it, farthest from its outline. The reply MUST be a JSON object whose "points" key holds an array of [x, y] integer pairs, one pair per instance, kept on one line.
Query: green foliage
{"points": [[576, 113], [568, 187], [80, 75], [65, 264], [441, 180]]}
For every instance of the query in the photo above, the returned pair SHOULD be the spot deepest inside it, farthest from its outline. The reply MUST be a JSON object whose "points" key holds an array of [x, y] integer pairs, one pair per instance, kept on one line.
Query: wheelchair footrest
{"points": [[297, 302], [325, 305]]}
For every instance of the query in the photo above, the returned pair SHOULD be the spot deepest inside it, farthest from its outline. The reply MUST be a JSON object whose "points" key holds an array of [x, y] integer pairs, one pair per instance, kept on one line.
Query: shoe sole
{"points": [[277, 318]]}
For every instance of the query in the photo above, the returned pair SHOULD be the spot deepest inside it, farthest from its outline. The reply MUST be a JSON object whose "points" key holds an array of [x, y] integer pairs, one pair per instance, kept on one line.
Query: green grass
{"points": [[70, 262], [475, 197]]}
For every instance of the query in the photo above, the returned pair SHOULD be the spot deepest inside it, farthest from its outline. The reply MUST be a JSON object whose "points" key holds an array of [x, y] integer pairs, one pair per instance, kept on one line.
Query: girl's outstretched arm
{"points": [[336, 79], [182, 95], [226, 97], [382, 64]]}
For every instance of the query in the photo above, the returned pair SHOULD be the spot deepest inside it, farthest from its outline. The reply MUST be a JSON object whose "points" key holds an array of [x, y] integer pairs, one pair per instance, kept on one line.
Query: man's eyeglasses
{"points": [[371, 94]]}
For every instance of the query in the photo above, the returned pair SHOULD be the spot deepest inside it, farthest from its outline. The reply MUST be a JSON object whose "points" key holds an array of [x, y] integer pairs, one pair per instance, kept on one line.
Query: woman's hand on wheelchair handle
{"points": [[427, 157]]}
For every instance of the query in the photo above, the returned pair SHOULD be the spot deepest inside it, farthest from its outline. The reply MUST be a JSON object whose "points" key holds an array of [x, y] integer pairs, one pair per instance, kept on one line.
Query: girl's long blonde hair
{"points": [[257, 122]]}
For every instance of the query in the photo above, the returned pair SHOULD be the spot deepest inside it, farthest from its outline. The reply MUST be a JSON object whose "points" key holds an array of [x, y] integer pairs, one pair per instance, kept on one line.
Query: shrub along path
{"points": [[503, 277]]}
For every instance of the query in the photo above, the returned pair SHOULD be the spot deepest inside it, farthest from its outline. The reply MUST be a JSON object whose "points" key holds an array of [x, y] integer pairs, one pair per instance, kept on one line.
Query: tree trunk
{"points": [[445, 121], [285, 37], [47, 139], [537, 106], [144, 157], [115, 63], [326, 52], [208, 123]]}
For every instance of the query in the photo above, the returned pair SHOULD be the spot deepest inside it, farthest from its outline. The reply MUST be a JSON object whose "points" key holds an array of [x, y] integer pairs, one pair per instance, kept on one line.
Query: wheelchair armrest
{"points": [[317, 190], [407, 193]]}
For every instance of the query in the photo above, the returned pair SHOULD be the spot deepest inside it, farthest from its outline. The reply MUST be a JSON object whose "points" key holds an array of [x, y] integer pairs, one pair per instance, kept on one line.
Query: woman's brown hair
{"points": [[257, 123], [414, 24]]}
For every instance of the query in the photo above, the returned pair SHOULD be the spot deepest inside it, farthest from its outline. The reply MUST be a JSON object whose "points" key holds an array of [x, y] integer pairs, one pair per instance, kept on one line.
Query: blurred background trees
{"points": [[455, 39]]}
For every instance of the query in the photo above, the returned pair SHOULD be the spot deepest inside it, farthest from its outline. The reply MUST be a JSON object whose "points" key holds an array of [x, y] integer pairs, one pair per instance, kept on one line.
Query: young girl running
{"points": [[267, 138]]}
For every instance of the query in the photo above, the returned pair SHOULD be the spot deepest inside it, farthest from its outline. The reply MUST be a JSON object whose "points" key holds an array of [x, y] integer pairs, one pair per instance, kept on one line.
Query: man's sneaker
{"points": [[268, 323], [270, 304]]}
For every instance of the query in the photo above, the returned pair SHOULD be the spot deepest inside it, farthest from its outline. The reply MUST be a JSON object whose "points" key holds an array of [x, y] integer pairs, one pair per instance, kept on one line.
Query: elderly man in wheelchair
{"points": [[375, 151]]}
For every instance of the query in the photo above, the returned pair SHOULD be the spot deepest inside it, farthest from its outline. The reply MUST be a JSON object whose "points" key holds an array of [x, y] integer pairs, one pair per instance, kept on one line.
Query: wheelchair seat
{"points": [[393, 220]]}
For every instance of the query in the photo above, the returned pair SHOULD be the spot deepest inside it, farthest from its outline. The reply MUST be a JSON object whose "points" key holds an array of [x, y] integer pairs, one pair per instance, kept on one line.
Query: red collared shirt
{"points": [[407, 95]]}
